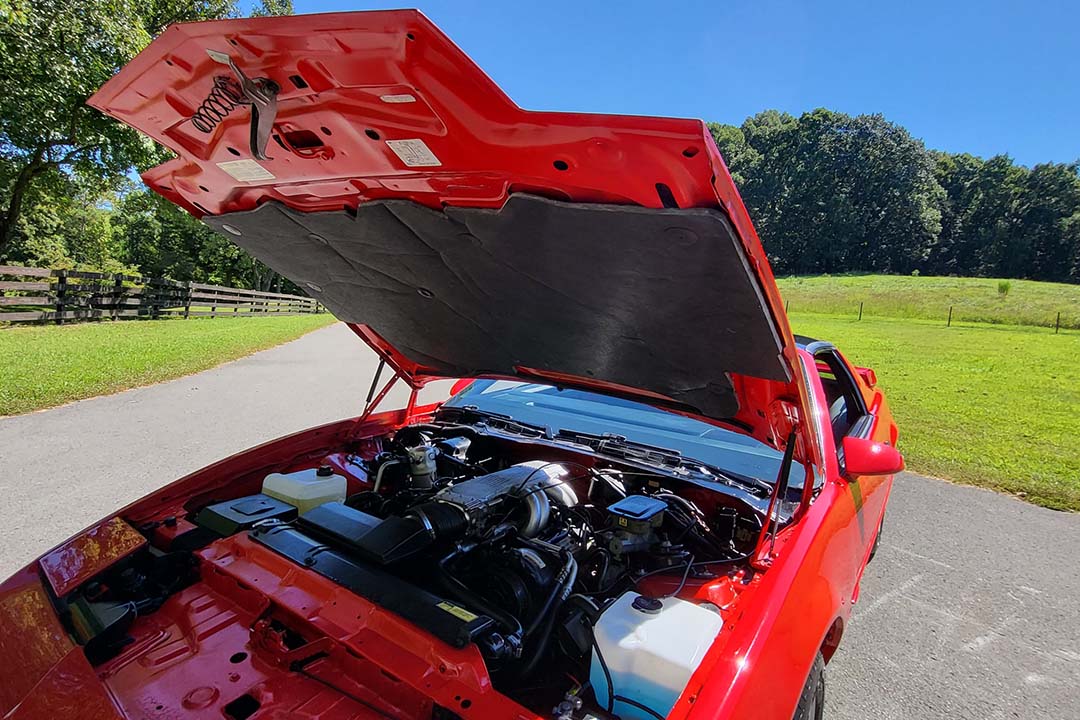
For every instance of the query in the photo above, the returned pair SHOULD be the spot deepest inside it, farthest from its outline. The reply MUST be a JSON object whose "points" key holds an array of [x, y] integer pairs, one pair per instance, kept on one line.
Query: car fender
{"points": [[760, 669]]}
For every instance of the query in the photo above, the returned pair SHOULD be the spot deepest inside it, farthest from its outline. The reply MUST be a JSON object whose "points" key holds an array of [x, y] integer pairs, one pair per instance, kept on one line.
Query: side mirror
{"points": [[863, 456]]}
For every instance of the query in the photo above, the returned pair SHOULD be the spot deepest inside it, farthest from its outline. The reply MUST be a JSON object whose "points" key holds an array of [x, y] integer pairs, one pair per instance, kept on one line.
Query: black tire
{"points": [[812, 701], [877, 539]]}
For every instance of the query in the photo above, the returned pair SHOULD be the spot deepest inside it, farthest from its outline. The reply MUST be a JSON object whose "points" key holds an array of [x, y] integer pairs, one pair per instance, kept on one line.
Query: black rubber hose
{"points": [[552, 596], [639, 706], [544, 639], [459, 590], [604, 667], [537, 651]]}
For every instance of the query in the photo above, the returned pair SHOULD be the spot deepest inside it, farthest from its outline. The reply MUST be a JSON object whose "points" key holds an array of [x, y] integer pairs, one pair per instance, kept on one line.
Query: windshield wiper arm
{"points": [[472, 415], [618, 446]]}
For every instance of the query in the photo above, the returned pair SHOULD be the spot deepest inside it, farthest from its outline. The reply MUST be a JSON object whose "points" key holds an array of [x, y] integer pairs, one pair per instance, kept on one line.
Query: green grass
{"points": [[44, 366], [986, 405], [929, 298]]}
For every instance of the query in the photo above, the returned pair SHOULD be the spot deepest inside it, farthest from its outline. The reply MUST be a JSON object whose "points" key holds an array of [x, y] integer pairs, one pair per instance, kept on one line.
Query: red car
{"points": [[646, 499]]}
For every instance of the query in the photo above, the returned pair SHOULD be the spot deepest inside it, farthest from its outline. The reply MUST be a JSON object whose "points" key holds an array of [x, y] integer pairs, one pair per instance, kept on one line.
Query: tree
{"points": [[1050, 202], [1071, 229], [51, 60], [829, 192], [53, 55], [163, 240], [957, 176], [273, 7]]}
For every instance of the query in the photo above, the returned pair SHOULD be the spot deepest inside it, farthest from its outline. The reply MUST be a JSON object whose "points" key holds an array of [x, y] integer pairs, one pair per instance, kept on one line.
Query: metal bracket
{"points": [[261, 95]]}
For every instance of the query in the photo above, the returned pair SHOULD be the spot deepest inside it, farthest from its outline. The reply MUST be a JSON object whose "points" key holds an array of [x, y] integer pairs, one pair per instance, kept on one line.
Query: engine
{"points": [[534, 554], [525, 554], [496, 544]]}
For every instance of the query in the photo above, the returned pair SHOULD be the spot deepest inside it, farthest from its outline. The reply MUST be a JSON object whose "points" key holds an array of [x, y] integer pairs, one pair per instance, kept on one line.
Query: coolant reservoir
{"points": [[651, 648], [305, 489]]}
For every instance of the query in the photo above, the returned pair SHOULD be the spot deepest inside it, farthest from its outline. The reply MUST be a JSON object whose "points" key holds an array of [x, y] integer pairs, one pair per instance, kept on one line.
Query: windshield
{"points": [[578, 410]]}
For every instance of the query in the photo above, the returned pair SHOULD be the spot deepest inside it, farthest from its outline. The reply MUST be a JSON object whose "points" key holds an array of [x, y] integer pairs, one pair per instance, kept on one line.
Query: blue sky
{"points": [[983, 77]]}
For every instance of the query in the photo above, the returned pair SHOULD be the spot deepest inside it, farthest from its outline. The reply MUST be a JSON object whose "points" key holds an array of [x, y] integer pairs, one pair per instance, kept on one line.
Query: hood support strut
{"points": [[371, 404], [762, 557]]}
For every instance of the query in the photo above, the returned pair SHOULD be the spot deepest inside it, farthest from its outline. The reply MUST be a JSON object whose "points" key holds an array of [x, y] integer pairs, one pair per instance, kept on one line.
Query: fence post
{"points": [[1057, 323], [117, 295], [860, 310], [949, 323], [187, 301], [787, 304], [61, 291]]}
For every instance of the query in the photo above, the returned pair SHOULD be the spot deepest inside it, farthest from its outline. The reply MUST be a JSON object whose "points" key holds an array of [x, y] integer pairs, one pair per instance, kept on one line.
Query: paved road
{"points": [[64, 468], [971, 609]]}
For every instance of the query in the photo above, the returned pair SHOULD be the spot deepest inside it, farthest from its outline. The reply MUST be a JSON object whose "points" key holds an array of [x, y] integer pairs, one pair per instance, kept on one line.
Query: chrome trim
{"points": [[816, 411]]}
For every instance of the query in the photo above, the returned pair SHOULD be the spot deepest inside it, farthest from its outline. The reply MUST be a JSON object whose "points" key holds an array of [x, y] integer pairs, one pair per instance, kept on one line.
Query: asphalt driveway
{"points": [[970, 610]]}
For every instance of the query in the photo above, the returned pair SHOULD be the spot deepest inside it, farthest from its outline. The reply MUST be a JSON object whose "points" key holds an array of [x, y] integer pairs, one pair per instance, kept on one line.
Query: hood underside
{"points": [[656, 299], [374, 164]]}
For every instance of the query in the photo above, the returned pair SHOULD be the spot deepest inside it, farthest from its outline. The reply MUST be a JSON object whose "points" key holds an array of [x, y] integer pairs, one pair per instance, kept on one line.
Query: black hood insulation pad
{"points": [[662, 300]]}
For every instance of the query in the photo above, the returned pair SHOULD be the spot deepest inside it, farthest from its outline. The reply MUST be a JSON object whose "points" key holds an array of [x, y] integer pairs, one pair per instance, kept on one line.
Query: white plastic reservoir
{"points": [[651, 648], [306, 489]]}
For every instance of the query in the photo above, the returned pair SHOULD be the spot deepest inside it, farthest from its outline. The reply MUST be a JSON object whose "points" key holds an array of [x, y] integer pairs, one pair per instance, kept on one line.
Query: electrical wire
{"points": [[701, 563], [612, 698], [603, 666], [682, 583], [639, 706]]}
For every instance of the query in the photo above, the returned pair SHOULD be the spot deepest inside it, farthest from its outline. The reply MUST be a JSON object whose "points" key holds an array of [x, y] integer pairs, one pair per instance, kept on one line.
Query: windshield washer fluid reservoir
{"points": [[651, 647], [305, 489]]}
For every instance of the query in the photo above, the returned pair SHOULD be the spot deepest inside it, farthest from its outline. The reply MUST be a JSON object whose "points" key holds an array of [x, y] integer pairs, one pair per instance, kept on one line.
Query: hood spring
{"points": [[225, 96]]}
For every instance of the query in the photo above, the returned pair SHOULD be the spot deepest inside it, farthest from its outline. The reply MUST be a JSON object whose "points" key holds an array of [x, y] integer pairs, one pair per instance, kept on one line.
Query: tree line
{"points": [[828, 192], [68, 196], [832, 193]]}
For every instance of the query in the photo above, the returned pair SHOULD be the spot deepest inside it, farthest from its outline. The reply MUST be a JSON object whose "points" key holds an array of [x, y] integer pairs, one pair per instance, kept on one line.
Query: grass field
{"points": [[43, 366], [929, 298], [986, 405]]}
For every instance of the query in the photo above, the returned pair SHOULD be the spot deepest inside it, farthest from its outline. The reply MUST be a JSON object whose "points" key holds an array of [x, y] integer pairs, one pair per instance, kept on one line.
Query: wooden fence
{"points": [[29, 294]]}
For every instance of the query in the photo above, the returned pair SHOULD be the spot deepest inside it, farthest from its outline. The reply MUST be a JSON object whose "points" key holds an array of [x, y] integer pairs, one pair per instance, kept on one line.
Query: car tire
{"points": [[877, 539], [812, 701]]}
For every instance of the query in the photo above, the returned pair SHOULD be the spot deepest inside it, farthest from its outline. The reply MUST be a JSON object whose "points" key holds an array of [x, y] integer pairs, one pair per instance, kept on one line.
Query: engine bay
{"points": [[444, 570]]}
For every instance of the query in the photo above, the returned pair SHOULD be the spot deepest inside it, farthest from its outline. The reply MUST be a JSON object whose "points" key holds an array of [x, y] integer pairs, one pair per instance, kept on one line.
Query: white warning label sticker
{"points": [[414, 153], [246, 171], [403, 98]]}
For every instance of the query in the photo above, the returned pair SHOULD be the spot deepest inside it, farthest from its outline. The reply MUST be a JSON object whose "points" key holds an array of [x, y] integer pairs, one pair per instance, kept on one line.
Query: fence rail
{"points": [[30, 294]]}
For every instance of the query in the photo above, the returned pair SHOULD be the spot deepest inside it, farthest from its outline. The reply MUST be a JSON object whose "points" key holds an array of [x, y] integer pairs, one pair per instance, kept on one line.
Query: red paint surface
{"points": [[485, 145], [70, 689], [216, 641], [32, 641], [89, 553]]}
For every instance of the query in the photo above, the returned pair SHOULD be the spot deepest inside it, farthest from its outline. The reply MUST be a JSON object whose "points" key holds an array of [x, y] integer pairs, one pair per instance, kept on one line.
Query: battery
{"points": [[233, 516]]}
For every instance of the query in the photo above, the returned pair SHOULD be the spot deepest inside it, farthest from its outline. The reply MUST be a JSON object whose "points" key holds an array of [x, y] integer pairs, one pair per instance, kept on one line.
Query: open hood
{"points": [[367, 158]]}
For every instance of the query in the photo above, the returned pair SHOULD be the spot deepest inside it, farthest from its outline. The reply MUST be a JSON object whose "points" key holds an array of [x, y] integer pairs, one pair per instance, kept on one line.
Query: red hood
{"points": [[459, 234]]}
